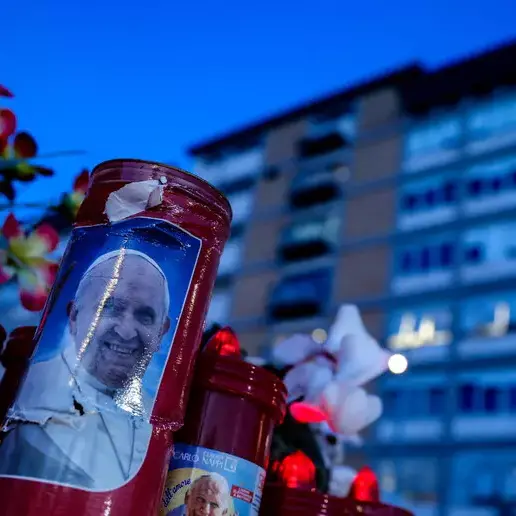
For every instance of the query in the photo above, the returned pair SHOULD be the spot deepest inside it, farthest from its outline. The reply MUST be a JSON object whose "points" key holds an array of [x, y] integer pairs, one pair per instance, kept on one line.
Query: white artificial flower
{"points": [[309, 379], [349, 409], [294, 350], [359, 356]]}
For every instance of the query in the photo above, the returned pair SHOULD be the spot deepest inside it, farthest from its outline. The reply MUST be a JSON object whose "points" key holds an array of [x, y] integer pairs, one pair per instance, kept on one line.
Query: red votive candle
{"points": [[222, 451], [357, 508], [280, 500], [90, 430]]}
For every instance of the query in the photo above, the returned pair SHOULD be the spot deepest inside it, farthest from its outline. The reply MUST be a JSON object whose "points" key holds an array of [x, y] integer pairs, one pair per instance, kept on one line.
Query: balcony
{"points": [[231, 169], [310, 188], [310, 239], [327, 134], [433, 143], [300, 296]]}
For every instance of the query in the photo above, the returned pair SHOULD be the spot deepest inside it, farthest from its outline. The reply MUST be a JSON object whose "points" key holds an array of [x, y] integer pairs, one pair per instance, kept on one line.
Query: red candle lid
{"points": [[231, 374], [128, 170]]}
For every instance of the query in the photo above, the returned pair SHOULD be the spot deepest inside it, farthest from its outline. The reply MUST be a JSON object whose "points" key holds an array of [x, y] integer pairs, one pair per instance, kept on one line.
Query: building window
{"points": [[419, 327], [329, 132], [233, 166], [416, 401], [313, 187], [425, 258], [490, 186], [310, 238], [432, 143], [424, 265], [489, 252], [492, 118], [428, 202], [299, 296], [486, 393], [413, 480], [485, 479], [488, 315], [218, 311]]}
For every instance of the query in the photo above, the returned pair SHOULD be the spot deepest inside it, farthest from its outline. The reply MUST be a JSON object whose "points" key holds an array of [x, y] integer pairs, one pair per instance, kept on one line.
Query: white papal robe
{"points": [[67, 427]]}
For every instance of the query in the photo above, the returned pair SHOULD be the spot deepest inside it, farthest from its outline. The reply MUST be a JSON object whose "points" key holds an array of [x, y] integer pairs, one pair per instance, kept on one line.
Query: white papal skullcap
{"points": [[216, 478], [130, 252]]}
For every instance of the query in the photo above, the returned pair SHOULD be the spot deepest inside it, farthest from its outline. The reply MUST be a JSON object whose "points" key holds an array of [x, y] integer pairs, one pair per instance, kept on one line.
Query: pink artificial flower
{"points": [[25, 258], [7, 124]]}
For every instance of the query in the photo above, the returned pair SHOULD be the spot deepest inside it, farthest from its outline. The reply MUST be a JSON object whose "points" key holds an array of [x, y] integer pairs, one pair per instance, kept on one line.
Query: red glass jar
{"points": [[284, 501], [281, 500], [150, 341], [350, 507], [233, 409]]}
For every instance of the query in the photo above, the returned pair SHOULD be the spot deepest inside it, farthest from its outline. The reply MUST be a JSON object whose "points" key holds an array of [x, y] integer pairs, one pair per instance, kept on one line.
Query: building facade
{"points": [[398, 195]]}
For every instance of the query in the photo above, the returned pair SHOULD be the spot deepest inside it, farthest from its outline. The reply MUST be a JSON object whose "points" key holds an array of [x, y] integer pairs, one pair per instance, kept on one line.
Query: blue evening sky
{"points": [[147, 78]]}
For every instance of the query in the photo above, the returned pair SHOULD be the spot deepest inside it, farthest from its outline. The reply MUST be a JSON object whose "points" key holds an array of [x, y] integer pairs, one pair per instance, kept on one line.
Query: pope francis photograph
{"points": [[82, 417]]}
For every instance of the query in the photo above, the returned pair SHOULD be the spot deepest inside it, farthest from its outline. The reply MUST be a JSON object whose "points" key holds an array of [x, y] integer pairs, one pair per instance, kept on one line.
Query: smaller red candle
{"points": [[222, 451]]}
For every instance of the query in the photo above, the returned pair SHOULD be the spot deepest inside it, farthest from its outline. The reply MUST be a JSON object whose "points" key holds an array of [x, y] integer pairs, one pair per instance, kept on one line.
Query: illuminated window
{"points": [[415, 328], [491, 315]]}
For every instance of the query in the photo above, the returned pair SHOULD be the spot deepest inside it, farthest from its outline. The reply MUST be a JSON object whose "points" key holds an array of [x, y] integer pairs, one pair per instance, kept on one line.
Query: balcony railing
{"points": [[305, 240], [233, 168], [311, 188], [299, 296]]}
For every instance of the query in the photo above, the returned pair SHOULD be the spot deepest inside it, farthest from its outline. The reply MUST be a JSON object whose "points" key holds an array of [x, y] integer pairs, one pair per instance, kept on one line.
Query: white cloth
{"points": [[105, 442]]}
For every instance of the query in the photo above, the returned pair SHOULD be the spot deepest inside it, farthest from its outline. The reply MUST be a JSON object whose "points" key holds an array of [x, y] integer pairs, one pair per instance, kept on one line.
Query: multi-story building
{"points": [[398, 195]]}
